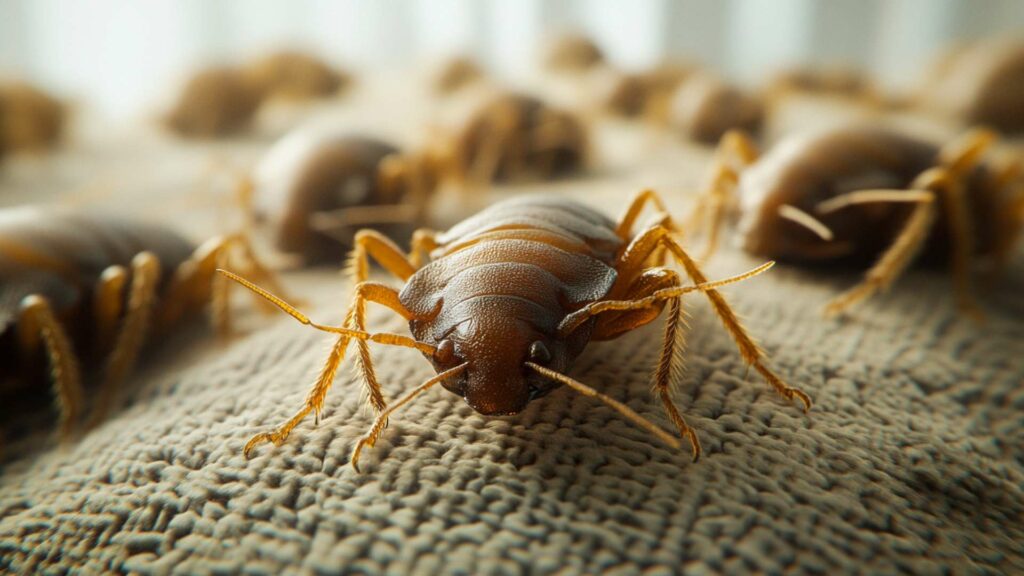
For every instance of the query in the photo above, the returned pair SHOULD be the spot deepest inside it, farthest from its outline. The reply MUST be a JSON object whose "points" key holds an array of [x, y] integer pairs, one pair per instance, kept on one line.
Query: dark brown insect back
{"points": [[317, 189], [980, 83], [293, 75], [511, 296], [81, 292], [454, 74], [30, 119], [705, 107], [858, 193], [633, 94], [215, 102], [572, 53], [519, 138], [833, 80]]}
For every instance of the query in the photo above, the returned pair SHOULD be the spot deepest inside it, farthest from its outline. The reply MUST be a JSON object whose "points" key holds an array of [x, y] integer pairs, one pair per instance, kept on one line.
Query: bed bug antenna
{"points": [[619, 407], [380, 337], [798, 216]]}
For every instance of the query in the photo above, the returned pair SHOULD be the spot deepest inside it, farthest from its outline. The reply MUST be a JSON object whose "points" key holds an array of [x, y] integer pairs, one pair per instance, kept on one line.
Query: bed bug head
{"points": [[497, 380]]}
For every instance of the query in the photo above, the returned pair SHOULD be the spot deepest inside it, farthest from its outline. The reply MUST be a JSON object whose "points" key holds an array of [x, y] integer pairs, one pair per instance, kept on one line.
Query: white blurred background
{"points": [[120, 56]]}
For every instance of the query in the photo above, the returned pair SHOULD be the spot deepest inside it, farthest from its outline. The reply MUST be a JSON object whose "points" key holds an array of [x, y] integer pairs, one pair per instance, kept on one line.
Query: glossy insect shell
{"points": [[705, 107], [981, 83], [305, 174], [30, 119], [215, 102], [295, 75], [512, 122], [69, 251], [496, 302], [804, 171]]}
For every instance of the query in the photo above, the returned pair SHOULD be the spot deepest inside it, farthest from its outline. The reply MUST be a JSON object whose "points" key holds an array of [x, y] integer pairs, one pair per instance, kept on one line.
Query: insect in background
{"points": [[215, 102], [981, 82], [704, 107], [518, 138], [294, 75], [81, 293], [454, 74], [30, 119], [511, 297], [638, 94], [223, 101], [855, 193], [572, 53], [315, 188], [843, 81]]}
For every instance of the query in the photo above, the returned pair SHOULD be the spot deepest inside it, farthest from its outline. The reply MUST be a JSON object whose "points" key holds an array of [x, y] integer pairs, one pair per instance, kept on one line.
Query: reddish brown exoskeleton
{"points": [[511, 297], [862, 192], [81, 292]]}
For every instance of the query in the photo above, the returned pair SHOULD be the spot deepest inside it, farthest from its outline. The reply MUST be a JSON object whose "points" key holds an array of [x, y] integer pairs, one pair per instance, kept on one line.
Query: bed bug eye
{"points": [[445, 353], [539, 353]]}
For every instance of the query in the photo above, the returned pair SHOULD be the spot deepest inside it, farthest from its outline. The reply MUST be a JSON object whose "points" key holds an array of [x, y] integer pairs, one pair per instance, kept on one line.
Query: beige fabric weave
{"points": [[909, 461], [912, 459]]}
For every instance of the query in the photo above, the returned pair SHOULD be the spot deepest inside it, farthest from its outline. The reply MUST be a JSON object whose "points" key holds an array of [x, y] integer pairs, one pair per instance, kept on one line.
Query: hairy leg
{"points": [[37, 319], [145, 278]]}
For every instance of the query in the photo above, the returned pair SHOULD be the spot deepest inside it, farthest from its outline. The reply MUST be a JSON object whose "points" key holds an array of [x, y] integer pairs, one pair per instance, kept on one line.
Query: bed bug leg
{"points": [[624, 229], [37, 319], [908, 243], [108, 305], [145, 277], [964, 153], [371, 243], [667, 372], [381, 421], [649, 291], [195, 282], [424, 242], [365, 292], [736, 150], [631, 261]]}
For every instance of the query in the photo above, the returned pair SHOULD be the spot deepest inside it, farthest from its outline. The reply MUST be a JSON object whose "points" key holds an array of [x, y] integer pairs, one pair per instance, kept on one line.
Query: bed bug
{"points": [[635, 94], [856, 193], [293, 75], [454, 74], [979, 83], [572, 53], [81, 292], [215, 102], [511, 296], [30, 119], [705, 107], [515, 137], [318, 187], [829, 80]]}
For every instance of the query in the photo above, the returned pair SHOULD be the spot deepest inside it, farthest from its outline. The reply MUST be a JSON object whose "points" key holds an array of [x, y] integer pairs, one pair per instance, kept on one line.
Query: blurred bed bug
{"points": [[979, 83], [510, 298], [30, 119], [825, 80], [641, 93], [572, 53], [81, 292], [519, 138], [454, 74], [292, 75], [857, 193], [215, 102], [705, 107], [317, 187]]}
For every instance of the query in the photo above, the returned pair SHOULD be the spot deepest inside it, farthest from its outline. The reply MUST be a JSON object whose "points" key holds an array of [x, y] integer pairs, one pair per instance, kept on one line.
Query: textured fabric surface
{"points": [[912, 459]]}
